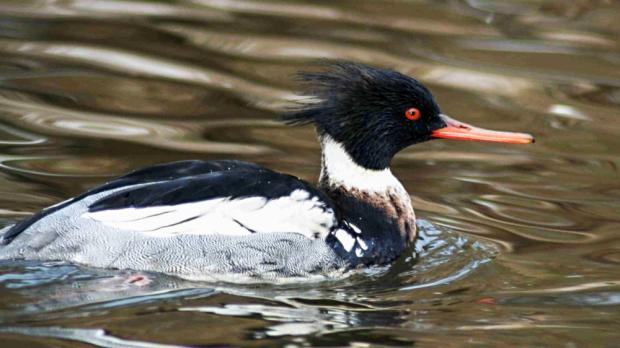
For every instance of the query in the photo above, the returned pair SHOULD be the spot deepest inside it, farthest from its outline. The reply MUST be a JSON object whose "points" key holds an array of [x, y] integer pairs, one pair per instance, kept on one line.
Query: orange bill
{"points": [[463, 131]]}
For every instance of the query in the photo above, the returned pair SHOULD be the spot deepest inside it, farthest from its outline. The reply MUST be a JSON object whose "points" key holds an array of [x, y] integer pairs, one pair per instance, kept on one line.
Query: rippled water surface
{"points": [[520, 244]]}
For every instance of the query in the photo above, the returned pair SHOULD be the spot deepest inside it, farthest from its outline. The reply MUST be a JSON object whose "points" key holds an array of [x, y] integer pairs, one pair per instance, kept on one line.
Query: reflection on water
{"points": [[527, 250]]}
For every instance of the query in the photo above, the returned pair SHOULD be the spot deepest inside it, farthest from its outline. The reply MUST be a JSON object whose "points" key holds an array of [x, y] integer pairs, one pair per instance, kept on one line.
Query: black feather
{"points": [[160, 172], [363, 108], [218, 184]]}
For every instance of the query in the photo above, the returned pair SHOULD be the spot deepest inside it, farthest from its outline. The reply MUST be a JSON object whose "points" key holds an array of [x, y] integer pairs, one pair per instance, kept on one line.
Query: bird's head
{"points": [[373, 113]]}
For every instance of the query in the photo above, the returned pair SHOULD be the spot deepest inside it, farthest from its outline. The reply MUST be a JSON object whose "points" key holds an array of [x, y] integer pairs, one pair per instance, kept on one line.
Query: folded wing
{"points": [[216, 197]]}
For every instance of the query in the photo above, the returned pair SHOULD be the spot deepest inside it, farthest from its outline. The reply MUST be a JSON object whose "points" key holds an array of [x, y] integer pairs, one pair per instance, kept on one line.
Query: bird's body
{"points": [[239, 221]]}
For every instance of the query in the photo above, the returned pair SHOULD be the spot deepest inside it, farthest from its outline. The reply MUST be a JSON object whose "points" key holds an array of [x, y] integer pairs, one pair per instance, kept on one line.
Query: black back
{"points": [[160, 172], [227, 184]]}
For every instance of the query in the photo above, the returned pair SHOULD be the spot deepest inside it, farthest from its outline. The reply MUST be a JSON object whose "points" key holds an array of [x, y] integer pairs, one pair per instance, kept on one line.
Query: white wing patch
{"points": [[345, 239], [235, 217]]}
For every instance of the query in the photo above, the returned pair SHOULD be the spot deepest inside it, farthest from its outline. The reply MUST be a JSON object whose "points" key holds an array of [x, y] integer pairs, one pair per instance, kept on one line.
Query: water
{"points": [[520, 244]]}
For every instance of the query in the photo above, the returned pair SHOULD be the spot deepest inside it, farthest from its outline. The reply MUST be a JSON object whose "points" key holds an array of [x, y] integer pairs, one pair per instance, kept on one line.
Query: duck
{"points": [[238, 221]]}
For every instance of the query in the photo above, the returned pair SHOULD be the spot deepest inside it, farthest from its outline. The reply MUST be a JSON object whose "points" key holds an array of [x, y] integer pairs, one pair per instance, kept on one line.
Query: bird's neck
{"points": [[343, 179], [338, 169]]}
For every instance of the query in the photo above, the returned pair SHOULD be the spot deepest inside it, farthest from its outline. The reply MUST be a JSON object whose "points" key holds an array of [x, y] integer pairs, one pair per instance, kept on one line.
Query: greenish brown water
{"points": [[521, 244]]}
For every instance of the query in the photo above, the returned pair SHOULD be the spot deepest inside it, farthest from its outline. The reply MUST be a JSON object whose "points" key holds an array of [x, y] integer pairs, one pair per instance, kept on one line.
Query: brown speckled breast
{"points": [[395, 202], [397, 205]]}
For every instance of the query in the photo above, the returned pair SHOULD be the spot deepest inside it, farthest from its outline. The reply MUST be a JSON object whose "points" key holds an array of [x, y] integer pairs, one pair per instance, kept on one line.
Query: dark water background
{"points": [[525, 248]]}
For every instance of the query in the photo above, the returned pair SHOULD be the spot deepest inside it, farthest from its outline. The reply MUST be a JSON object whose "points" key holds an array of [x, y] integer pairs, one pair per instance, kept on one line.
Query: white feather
{"points": [[345, 239], [296, 212], [362, 244], [341, 170]]}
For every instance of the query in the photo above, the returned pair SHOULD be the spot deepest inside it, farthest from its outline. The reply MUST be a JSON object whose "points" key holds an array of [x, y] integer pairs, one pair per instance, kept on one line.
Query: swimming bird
{"points": [[233, 220]]}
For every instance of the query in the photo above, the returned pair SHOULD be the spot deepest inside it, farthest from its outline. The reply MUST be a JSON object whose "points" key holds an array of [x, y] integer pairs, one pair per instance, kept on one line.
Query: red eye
{"points": [[412, 114]]}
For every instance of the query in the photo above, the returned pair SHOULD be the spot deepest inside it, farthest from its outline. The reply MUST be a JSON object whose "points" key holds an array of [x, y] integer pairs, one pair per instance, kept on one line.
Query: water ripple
{"points": [[523, 245]]}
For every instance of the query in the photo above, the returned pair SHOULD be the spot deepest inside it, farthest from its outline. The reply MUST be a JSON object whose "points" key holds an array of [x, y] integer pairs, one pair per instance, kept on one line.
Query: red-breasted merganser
{"points": [[213, 219]]}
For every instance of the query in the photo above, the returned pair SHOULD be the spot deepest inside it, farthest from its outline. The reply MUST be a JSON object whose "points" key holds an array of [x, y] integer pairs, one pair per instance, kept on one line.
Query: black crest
{"points": [[363, 108]]}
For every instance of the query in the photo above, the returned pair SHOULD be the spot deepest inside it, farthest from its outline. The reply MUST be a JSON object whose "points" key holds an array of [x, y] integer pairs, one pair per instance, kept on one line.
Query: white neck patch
{"points": [[340, 170]]}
